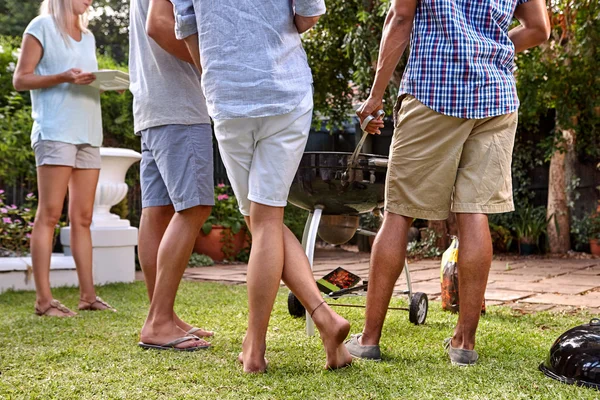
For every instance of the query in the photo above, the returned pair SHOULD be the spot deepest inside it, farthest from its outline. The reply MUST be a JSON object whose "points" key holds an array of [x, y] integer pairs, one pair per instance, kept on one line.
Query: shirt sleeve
{"points": [[185, 18], [310, 8], [37, 29]]}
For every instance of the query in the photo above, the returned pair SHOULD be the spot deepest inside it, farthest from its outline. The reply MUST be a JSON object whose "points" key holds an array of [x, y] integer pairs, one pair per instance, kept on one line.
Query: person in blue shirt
{"points": [[258, 89]]}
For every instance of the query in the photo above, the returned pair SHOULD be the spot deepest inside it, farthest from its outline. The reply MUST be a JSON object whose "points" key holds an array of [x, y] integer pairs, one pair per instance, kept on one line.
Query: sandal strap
{"points": [[180, 340], [97, 300], [54, 304]]}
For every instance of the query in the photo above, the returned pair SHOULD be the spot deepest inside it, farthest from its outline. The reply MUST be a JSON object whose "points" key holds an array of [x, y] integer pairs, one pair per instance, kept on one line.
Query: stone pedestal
{"points": [[16, 272], [113, 238], [113, 253]]}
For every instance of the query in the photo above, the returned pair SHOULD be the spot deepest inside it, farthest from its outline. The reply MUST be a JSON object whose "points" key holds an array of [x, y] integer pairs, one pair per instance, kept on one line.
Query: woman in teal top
{"points": [[57, 57]]}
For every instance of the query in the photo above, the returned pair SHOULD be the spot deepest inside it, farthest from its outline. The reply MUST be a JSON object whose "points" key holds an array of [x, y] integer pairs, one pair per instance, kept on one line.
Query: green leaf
{"points": [[206, 228]]}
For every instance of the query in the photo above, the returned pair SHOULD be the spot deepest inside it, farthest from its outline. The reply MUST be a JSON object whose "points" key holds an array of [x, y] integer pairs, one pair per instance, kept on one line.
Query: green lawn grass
{"points": [[94, 355]]}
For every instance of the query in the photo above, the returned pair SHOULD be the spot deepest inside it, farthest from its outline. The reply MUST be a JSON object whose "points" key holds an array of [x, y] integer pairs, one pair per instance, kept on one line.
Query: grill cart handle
{"points": [[378, 162]]}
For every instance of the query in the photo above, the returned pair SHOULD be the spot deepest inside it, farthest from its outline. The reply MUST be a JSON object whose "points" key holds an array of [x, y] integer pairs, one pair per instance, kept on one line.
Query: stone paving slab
{"points": [[499, 265], [505, 295], [571, 279], [567, 300], [496, 276], [594, 270], [540, 287], [544, 271]]}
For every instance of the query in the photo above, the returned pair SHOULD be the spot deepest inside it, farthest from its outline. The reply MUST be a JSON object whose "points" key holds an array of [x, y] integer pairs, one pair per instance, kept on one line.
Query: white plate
{"points": [[111, 80]]}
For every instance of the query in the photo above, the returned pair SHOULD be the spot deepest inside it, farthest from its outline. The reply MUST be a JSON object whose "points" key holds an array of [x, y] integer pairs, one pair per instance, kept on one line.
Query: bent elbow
{"points": [[151, 29], [399, 22], [17, 83], [400, 17], [545, 33]]}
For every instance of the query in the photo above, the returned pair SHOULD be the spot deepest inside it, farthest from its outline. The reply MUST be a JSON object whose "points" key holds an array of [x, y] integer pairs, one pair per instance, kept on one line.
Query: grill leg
{"points": [[408, 283], [309, 239]]}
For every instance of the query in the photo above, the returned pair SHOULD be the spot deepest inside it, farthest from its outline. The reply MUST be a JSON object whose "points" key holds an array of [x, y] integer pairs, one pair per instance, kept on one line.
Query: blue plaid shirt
{"points": [[461, 61]]}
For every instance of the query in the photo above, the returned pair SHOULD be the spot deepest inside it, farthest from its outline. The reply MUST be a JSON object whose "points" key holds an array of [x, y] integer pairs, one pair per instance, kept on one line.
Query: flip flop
{"points": [[171, 345], [193, 331]]}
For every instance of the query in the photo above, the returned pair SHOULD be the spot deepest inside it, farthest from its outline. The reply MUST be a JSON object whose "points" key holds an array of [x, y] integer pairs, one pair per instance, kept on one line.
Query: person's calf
{"points": [[475, 258]]}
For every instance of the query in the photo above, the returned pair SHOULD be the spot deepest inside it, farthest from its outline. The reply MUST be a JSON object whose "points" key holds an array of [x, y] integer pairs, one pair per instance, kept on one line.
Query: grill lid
{"points": [[575, 356]]}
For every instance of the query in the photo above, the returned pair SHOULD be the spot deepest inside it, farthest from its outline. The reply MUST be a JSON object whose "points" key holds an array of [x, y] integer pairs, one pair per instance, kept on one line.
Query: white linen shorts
{"points": [[262, 154], [78, 156]]}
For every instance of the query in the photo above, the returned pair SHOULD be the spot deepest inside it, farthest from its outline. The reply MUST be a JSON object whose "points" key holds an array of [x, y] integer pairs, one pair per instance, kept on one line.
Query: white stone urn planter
{"points": [[113, 238], [111, 185]]}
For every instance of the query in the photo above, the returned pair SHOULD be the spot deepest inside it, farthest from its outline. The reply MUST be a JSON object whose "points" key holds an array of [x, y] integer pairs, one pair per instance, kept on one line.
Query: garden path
{"points": [[527, 284]]}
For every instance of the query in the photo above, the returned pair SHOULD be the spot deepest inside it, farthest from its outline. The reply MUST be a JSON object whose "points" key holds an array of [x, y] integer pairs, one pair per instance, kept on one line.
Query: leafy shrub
{"points": [[295, 219], [501, 238], [16, 224], [585, 229], [426, 247], [225, 212], [18, 160], [200, 260]]}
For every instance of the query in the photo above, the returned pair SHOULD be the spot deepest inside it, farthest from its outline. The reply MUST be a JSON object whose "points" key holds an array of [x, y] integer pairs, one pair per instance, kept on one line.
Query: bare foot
{"points": [[240, 359], [160, 335], [53, 308], [254, 361], [187, 327], [333, 330]]}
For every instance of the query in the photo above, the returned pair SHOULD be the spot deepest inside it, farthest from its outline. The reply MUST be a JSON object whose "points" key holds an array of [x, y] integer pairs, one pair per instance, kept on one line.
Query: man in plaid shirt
{"points": [[455, 123]]}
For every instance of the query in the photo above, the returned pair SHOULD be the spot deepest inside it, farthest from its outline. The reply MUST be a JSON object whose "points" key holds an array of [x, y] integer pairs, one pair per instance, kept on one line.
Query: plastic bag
{"points": [[449, 278]]}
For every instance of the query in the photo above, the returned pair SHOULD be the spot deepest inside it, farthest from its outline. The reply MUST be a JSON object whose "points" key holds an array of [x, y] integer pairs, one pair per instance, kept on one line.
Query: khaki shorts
{"points": [[78, 156], [440, 163]]}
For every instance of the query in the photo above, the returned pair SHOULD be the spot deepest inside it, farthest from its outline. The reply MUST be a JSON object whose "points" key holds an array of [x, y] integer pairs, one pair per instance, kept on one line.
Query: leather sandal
{"points": [[59, 306], [96, 305]]}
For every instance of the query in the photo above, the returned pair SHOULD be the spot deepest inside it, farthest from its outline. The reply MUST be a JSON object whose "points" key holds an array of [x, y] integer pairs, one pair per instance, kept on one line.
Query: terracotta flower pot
{"points": [[212, 244], [594, 247]]}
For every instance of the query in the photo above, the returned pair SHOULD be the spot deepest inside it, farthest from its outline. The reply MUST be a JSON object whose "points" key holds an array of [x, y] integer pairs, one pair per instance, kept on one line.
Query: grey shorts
{"points": [[79, 156], [177, 166]]}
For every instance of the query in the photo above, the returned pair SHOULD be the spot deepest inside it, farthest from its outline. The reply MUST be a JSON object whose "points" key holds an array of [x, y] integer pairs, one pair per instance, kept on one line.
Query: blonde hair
{"points": [[63, 16]]}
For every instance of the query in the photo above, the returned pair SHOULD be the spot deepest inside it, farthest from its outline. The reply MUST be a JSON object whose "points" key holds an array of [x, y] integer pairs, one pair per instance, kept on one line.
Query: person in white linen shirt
{"points": [[258, 89], [56, 63]]}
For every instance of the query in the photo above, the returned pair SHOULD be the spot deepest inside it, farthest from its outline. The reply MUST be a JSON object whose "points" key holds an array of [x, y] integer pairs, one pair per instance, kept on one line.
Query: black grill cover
{"points": [[575, 356]]}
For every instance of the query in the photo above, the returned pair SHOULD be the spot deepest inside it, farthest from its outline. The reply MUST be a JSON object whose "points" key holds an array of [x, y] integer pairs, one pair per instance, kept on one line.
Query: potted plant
{"points": [[531, 223], [594, 234], [369, 222], [586, 230], [223, 235]]}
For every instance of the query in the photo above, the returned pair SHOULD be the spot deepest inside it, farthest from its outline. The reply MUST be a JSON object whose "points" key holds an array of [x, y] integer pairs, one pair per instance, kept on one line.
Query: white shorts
{"points": [[262, 155]]}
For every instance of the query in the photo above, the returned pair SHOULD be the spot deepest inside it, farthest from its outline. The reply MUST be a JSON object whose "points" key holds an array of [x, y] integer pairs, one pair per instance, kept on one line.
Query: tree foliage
{"points": [[342, 52], [110, 25], [16, 14], [563, 75]]}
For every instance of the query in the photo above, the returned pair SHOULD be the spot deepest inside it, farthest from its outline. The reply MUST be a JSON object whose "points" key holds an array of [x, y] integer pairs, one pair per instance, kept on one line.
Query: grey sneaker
{"points": [[357, 350], [460, 357]]}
